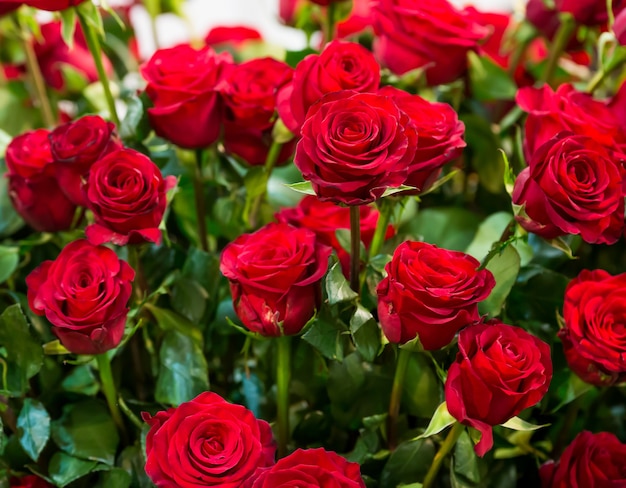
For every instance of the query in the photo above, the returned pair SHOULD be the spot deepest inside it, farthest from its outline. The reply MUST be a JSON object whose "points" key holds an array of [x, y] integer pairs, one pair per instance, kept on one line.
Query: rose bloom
{"points": [[206, 442], [340, 66], [84, 294], [359, 19], [234, 35], [572, 185], [499, 371], [127, 195], [440, 136], [29, 481], [33, 187], [50, 5], [585, 12], [275, 278], [429, 34], [594, 336], [430, 293], [183, 86], [355, 146], [75, 147], [311, 468], [325, 218], [619, 28], [590, 461]]}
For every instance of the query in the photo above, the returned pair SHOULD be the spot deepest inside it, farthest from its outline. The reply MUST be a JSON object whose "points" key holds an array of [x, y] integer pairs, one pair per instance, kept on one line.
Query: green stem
{"points": [[108, 388], [331, 11], [200, 202], [355, 247], [385, 209], [270, 162], [610, 14], [559, 43], [283, 377], [139, 283], [130, 414], [446, 447], [93, 43], [404, 355]]}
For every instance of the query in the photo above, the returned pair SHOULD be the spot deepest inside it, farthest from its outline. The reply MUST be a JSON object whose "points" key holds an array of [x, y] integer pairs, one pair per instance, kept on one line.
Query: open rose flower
{"points": [[590, 461], [429, 34], [84, 294], [183, 85], [340, 66], [127, 195], [355, 146], [311, 468], [594, 336], [430, 293], [572, 185], [499, 371], [33, 187], [275, 278], [206, 442]]}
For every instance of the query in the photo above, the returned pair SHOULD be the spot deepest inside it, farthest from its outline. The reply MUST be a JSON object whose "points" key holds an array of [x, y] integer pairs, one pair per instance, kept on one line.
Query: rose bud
{"points": [[84, 294], [430, 293], [590, 461], [340, 66], [275, 278], [206, 442], [440, 136], [33, 187], [127, 195], [311, 468], [183, 85], [29, 481], [499, 371], [429, 34], [594, 335], [355, 146], [75, 147], [325, 218]]}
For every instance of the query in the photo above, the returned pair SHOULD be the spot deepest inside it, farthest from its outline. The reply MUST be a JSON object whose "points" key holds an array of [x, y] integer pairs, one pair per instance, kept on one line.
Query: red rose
{"points": [[354, 146], [275, 275], [619, 28], [127, 195], [235, 35], [572, 185], [499, 371], [585, 12], [430, 293], [310, 468], [33, 188], [590, 461], [206, 442], [340, 66], [594, 336], [29, 481], [440, 136], [50, 5], [325, 218], [183, 85], [84, 294], [359, 19], [75, 147], [429, 34], [287, 10]]}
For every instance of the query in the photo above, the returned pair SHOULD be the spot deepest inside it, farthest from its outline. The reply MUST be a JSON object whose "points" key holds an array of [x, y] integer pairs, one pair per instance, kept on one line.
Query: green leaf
{"points": [[505, 268], [366, 333], [489, 231], [169, 320], [440, 420], [81, 380], [68, 26], [24, 355], [135, 126], [410, 461], [337, 287], [86, 430], [292, 58], [115, 478], [64, 469], [91, 15], [570, 390], [189, 299], [483, 149], [9, 259], [448, 227], [422, 392], [34, 428], [183, 372], [464, 469], [132, 460], [327, 336], [302, 187], [560, 244], [517, 423], [398, 189], [489, 81], [509, 175]]}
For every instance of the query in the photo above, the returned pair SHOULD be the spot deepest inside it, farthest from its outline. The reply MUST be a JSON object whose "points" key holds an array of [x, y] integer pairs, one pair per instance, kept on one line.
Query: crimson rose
{"points": [[430, 293], [206, 442], [127, 195], [50, 5], [499, 371], [183, 85], [310, 468], [572, 185], [275, 275], [355, 146], [429, 34], [594, 336], [84, 294], [340, 66], [590, 461]]}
